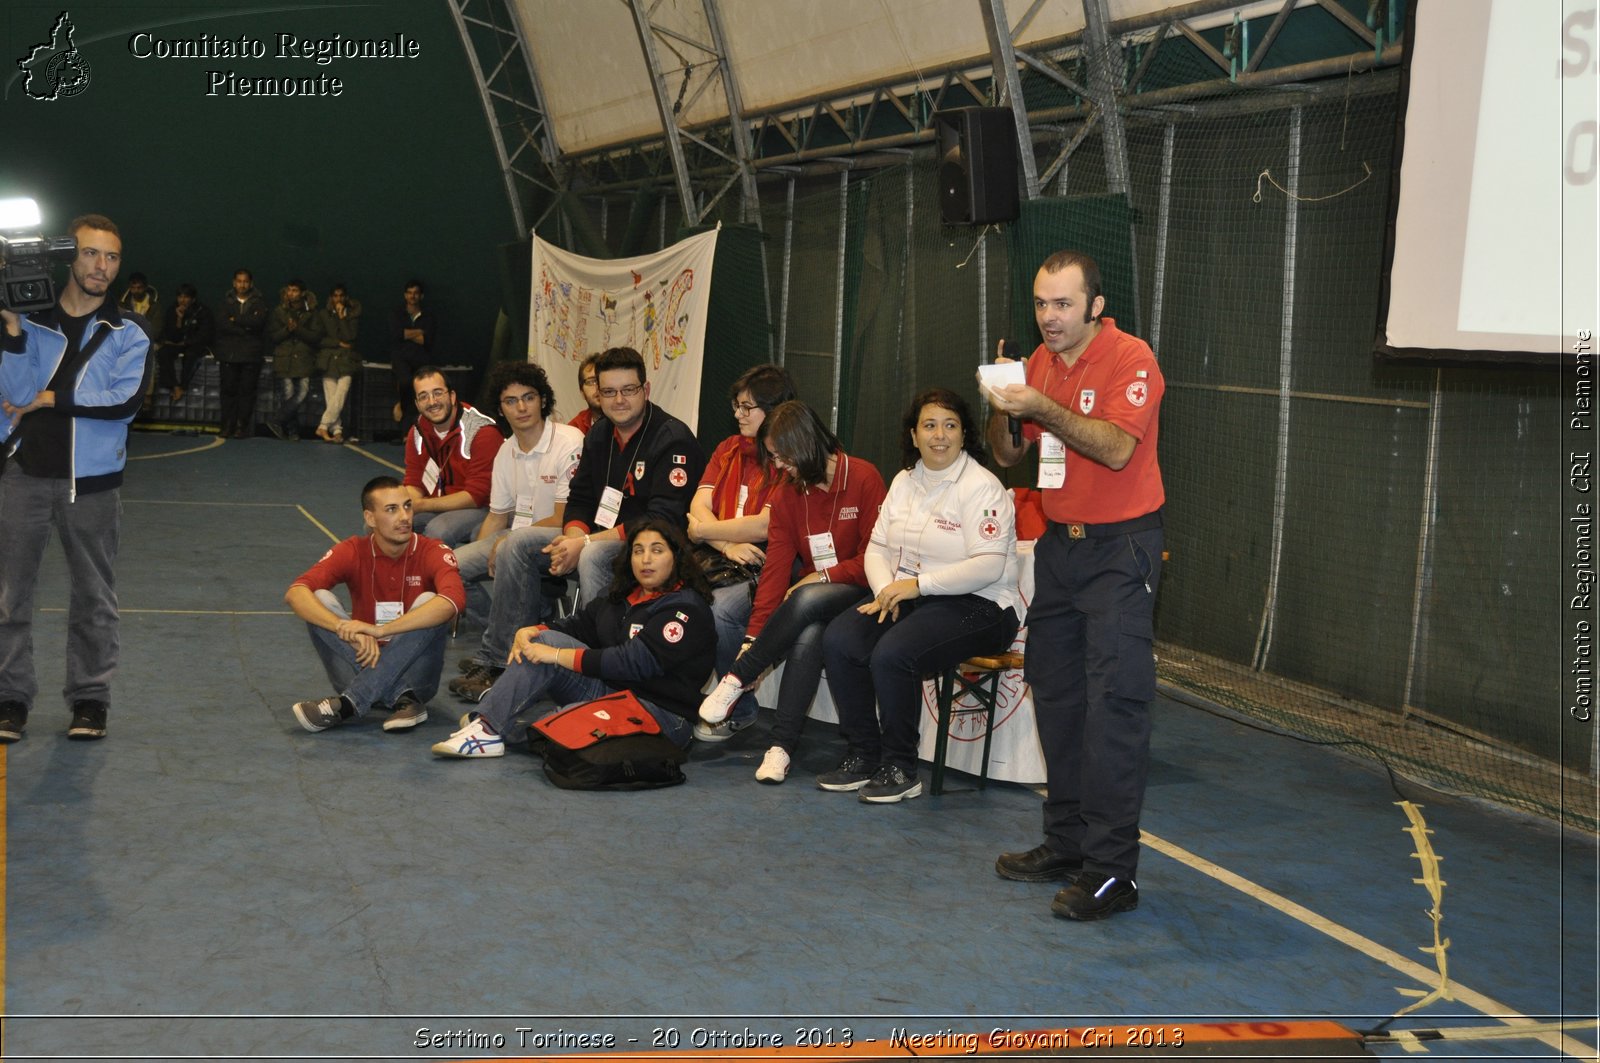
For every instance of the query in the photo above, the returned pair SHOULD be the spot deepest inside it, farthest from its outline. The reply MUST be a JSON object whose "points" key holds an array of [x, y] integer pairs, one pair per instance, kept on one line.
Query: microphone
{"points": [[1009, 349]]}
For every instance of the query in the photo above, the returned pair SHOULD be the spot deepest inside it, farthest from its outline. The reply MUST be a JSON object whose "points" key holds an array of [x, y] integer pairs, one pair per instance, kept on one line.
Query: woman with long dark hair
{"points": [[942, 565], [728, 519], [821, 517], [652, 634]]}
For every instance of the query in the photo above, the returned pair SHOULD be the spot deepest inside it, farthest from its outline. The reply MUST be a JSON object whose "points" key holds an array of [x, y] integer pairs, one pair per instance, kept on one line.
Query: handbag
{"points": [[721, 571], [611, 743]]}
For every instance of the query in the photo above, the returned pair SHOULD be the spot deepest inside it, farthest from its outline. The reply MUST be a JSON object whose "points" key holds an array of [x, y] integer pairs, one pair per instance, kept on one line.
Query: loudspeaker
{"points": [[977, 165]]}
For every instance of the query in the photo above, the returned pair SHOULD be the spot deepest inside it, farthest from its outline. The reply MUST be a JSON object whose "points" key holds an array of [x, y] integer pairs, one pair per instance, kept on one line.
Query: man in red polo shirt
{"points": [[387, 651], [1090, 403]]}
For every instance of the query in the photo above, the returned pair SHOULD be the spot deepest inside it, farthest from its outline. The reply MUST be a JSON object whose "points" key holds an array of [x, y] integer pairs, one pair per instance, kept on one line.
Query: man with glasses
{"points": [[589, 384], [450, 454], [647, 464], [532, 474]]}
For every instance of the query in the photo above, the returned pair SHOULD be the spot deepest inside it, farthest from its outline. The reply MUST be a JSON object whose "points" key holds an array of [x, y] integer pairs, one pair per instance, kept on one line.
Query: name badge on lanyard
{"points": [[910, 564], [1052, 462], [524, 514], [744, 496], [610, 504], [387, 611], [823, 554]]}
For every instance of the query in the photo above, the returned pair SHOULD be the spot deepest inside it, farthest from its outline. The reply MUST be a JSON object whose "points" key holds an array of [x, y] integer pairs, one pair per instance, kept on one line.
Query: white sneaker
{"points": [[473, 740], [774, 766], [715, 708]]}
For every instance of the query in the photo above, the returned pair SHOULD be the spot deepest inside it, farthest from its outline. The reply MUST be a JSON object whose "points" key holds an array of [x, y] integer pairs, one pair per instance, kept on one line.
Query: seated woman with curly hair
{"points": [[652, 634]]}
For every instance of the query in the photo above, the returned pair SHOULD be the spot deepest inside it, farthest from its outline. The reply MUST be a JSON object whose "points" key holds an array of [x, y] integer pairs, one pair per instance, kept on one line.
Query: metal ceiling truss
{"points": [[1053, 77], [700, 48], [513, 102]]}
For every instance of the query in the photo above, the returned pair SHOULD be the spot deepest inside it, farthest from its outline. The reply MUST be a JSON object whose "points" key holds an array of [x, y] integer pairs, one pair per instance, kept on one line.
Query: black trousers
{"points": [[237, 387], [1091, 664]]}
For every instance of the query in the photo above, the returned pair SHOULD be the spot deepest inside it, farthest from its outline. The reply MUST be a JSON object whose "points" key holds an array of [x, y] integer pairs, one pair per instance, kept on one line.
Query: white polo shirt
{"points": [[528, 484], [955, 531]]}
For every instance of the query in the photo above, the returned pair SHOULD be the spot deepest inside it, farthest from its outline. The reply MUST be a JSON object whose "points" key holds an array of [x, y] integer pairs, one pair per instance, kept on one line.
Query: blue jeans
{"points": [[793, 634], [524, 684], [868, 661], [517, 600], [452, 526], [730, 608], [292, 392], [410, 661], [90, 530], [595, 571]]}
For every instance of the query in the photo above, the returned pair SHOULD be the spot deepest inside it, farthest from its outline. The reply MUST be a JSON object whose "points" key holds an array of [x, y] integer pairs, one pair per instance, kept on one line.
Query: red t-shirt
{"points": [[849, 509], [1115, 379], [733, 465], [584, 421], [373, 576]]}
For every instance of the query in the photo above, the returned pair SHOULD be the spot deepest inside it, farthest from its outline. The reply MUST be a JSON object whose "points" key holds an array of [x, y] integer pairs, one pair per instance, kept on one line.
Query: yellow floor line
{"points": [[211, 444], [365, 453], [307, 515], [1428, 976]]}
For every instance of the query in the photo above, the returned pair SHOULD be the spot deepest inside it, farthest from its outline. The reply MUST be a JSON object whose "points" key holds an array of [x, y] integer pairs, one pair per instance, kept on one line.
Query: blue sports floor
{"points": [[213, 882]]}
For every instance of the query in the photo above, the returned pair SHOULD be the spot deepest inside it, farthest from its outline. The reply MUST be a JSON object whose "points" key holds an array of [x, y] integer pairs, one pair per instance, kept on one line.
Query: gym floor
{"points": [[211, 881]]}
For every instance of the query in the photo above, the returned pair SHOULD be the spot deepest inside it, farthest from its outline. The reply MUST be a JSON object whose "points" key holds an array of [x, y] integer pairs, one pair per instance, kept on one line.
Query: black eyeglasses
{"points": [[628, 392]]}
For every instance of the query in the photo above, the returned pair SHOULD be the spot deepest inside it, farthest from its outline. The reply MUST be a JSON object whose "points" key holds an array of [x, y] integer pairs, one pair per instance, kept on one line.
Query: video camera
{"points": [[26, 258]]}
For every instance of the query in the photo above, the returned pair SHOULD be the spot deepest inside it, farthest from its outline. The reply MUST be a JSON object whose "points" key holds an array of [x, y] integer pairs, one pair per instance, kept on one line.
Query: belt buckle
{"points": [[1075, 531]]}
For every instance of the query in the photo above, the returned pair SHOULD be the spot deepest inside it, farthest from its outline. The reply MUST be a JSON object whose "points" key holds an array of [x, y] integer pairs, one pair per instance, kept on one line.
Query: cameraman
{"points": [[71, 378]]}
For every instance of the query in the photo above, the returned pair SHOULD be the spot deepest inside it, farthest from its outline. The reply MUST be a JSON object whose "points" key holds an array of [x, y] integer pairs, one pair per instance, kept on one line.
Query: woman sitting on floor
{"points": [[651, 634], [728, 519], [821, 518], [942, 564]]}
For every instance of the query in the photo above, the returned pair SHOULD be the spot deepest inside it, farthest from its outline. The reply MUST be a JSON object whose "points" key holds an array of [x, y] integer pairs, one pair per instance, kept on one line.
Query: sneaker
{"points": [[1096, 896], [1039, 864], [472, 686], [321, 715], [277, 429], [88, 721], [13, 720], [721, 732], [715, 708], [854, 772], [889, 784], [774, 766], [473, 740], [468, 665], [408, 712]]}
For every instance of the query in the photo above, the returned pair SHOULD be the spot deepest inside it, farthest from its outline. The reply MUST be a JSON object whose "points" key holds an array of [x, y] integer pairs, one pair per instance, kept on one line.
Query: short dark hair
{"points": [[418, 285], [338, 286], [188, 289], [1091, 275], [529, 375], [93, 221], [295, 282], [431, 370], [138, 278], [247, 273], [377, 483], [945, 399], [685, 566], [797, 434], [770, 386], [585, 364], [620, 358]]}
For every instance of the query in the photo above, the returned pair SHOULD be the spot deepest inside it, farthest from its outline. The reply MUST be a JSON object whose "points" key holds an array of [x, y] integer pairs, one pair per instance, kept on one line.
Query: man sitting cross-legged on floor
{"points": [[387, 651], [651, 633], [532, 474]]}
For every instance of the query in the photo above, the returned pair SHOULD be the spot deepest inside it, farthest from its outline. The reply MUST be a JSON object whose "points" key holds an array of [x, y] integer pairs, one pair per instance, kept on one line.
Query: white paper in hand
{"points": [[992, 376]]}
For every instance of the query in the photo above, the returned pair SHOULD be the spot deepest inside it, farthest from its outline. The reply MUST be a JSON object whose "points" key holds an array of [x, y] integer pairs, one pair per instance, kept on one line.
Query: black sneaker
{"points": [[1039, 864], [13, 720], [889, 784], [88, 720], [1095, 896], [854, 772]]}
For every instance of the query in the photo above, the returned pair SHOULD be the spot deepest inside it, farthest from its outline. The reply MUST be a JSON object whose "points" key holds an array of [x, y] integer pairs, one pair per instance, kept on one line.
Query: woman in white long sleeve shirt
{"points": [[942, 567]]}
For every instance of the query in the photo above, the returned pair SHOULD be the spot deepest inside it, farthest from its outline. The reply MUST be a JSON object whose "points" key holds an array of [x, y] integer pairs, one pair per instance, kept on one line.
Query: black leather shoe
{"points": [[1094, 896], [1039, 864]]}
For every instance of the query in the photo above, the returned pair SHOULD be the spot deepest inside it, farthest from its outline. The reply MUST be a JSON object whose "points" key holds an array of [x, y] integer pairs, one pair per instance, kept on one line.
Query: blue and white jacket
{"points": [[100, 401]]}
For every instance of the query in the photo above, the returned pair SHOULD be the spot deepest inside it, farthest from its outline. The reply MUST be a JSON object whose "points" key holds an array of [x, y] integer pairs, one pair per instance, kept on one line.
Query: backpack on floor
{"points": [[612, 743]]}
